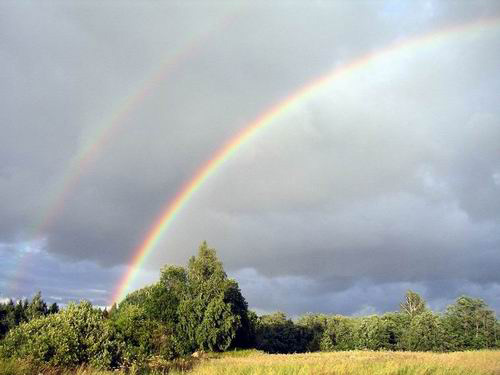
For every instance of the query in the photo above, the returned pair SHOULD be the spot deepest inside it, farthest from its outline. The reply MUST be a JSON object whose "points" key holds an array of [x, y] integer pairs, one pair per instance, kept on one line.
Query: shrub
{"points": [[277, 334], [75, 336]]}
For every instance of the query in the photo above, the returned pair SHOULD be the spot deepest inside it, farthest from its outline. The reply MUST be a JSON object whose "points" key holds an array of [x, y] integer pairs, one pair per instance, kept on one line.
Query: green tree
{"points": [[37, 307], [212, 310], [140, 337], [339, 334], [198, 307], [20, 312], [397, 323], [470, 324], [374, 333], [413, 304], [425, 333], [316, 324], [53, 309], [276, 333]]}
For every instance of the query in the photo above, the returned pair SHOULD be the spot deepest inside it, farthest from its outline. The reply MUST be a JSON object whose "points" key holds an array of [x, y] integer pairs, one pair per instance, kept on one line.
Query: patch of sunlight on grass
{"points": [[355, 362]]}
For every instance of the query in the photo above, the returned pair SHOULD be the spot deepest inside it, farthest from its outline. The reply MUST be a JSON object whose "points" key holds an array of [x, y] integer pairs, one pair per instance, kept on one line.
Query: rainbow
{"points": [[90, 150], [172, 208]]}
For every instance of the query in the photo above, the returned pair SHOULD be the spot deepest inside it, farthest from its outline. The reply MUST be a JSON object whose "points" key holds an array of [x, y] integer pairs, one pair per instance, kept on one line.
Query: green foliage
{"points": [[316, 324], [198, 308], [413, 304], [211, 311], [340, 334], [397, 324], [470, 324], [374, 333], [72, 337], [11, 315], [276, 333], [140, 337], [425, 333], [37, 307]]}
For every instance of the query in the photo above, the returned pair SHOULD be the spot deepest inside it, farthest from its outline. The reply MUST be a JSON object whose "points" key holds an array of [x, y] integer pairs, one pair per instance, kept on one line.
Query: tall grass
{"points": [[251, 362], [354, 363]]}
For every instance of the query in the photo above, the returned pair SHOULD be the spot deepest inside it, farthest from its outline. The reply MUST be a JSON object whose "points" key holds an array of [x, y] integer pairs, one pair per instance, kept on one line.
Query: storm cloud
{"points": [[387, 178]]}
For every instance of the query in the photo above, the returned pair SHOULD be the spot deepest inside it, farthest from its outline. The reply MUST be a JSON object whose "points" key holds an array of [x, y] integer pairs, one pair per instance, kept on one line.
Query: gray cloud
{"points": [[386, 179]]}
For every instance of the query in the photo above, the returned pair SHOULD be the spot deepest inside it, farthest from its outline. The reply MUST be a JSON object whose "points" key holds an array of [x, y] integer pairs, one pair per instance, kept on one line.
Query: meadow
{"points": [[253, 362], [354, 362]]}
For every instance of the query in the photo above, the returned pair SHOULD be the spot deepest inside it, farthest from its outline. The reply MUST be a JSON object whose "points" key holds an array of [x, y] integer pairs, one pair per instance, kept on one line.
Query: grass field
{"points": [[352, 363], [336, 363]]}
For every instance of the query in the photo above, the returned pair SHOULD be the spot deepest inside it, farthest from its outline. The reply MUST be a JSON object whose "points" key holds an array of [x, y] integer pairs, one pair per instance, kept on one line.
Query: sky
{"points": [[385, 179]]}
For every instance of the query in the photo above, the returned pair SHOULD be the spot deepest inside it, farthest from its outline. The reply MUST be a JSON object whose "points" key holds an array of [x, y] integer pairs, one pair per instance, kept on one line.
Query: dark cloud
{"points": [[386, 179]]}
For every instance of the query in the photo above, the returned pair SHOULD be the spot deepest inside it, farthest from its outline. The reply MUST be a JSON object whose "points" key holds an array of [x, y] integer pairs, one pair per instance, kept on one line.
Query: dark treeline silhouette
{"points": [[14, 313], [198, 308]]}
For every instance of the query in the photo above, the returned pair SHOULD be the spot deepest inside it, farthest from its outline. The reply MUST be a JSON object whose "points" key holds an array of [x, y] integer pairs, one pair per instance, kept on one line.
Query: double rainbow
{"points": [[170, 210]]}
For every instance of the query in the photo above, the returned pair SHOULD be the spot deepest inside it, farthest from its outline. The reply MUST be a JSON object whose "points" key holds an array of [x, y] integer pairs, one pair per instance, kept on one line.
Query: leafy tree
{"points": [[276, 333], [374, 333], [198, 307], [397, 323], [413, 304], [339, 334], [139, 336], [37, 307], [212, 309], [425, 333], [470, 324], [245, 334], [316, 324]]}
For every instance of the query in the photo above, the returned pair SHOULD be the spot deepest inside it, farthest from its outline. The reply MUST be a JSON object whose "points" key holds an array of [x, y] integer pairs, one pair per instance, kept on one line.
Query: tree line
{"points": [[198, 308], [13, 314]]}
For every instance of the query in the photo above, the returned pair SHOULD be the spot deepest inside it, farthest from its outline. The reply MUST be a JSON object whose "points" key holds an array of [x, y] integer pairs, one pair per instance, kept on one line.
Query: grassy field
{"points": [[352, 363], [337, 363]]}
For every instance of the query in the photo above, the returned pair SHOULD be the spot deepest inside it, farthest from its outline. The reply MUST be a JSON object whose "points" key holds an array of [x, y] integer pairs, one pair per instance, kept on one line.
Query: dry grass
{"points": [[355, 362], [336, 363]]}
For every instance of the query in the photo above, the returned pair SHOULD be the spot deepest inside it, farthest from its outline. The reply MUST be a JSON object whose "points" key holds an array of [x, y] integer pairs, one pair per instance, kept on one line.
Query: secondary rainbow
{"points": [[264, 120], [108, 130]]}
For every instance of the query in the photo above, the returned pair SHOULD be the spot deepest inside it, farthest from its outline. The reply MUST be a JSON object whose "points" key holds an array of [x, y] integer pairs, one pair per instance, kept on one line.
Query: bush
{"points": [[75, 336], [277, 334]]}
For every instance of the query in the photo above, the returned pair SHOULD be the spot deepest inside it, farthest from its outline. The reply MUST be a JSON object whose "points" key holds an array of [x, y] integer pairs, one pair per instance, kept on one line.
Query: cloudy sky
{"points": [[386, 178]]}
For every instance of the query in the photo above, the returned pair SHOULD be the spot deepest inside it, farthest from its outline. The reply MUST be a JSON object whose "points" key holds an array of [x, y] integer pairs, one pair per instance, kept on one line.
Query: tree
{"points": [[212, 310], [413, 304], [140, 336], [374, 333], [37, 307], [425, 333], [316, 324], [198, 307], [470, 324], [53, 309], [275, 333], [397, 324], [339, 334]]}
